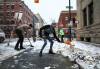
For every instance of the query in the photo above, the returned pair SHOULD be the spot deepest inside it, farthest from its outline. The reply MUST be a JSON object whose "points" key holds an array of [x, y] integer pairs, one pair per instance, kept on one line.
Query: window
{"points": [[90, 13], [1, 7], [8, 7], [1, 14], [82, 38], [8, 13], [85, 17], [12, 22], [12, 6], [1, 22], [88, 39], [20, 6], [12, 14]]}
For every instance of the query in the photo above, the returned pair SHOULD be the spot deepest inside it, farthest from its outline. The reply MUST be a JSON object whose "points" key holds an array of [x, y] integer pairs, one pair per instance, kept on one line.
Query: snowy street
{"points": [[87, 55], [31, 60], [49, 34]]}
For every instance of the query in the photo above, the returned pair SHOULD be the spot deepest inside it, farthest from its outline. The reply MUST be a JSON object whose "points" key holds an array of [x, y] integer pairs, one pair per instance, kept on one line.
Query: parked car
{"points": [[2, 36]]}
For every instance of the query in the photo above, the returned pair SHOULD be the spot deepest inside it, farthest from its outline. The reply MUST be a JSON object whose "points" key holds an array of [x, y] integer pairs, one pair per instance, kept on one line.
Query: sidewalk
{"points": [[92, 47], [9, 51], [93, 44]]}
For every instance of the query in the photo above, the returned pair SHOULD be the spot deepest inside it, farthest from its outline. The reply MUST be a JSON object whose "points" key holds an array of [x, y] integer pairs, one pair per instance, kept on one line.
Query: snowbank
{"points": [[87, 56]]}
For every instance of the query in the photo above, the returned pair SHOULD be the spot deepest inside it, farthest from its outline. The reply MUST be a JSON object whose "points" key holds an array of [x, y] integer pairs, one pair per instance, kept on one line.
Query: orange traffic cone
{"points": [[69, 43]]}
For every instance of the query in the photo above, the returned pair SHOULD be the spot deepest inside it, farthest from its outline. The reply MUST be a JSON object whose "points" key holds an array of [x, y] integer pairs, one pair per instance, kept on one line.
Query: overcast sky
{"points": [[49, 9]]}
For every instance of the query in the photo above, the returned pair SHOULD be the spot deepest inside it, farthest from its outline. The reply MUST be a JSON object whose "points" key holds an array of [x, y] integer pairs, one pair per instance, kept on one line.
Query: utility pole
{"points": [[34, 30], [70, 20], [10, 17]]}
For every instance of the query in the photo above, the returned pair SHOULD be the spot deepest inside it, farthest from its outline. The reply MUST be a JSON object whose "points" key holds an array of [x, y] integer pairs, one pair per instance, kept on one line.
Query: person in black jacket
{"points": [[46, 32]]}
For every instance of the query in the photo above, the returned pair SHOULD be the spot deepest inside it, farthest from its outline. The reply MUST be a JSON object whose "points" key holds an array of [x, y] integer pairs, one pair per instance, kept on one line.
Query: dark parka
{"points": [[46, 30]]}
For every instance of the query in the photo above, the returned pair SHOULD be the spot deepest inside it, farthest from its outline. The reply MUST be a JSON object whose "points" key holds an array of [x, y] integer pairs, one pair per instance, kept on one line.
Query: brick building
{"points": [[14, 13], [63, 20], [89, 20]]}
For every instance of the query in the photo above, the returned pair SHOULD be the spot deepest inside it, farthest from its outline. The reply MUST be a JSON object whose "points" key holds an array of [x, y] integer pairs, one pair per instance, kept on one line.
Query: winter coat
{"points": [[61, 32], [21, 30], [46, 31]]}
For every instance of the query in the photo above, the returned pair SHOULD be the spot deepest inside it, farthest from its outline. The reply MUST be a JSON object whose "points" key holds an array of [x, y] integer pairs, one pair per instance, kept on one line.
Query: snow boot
{"points": [[51, 52], [17, 49], [22, 48], [40, 54]]}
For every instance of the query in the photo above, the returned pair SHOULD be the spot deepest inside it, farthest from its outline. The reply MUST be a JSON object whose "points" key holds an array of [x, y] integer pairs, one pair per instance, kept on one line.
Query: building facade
{"points": [[63, 22], [38, 23], [14, 13], [89, 20]]}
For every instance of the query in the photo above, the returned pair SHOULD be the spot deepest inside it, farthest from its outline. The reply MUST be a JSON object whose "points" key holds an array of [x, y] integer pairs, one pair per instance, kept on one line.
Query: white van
{"points": [[2, 36]]}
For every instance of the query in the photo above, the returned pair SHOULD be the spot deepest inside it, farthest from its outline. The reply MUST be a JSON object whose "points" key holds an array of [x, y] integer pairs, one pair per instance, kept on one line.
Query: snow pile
{"points": [[8, 51], [86, 57], [47, 67], [50, 67]]}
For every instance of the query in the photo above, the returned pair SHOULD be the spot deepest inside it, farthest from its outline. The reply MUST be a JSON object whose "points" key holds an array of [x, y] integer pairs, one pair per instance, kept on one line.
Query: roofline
{"points": [[73, 11]]}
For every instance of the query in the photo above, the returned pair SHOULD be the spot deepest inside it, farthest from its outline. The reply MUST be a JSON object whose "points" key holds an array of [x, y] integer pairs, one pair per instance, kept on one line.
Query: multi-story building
{"points": [[14, 13], [63, 22], [38, 23], [89, 20]]}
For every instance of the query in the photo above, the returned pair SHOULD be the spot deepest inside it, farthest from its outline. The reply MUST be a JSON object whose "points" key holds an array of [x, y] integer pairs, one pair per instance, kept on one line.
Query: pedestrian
{"points": [[61, 32], [47, 32], [20, 31]]}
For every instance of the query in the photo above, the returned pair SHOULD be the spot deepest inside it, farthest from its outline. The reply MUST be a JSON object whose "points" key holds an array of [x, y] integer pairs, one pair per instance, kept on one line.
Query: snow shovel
{"points": [[30, 42]]}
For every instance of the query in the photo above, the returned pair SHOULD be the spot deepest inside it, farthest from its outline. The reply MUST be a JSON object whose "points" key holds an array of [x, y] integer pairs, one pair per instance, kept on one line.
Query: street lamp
{"points": [[9, 34]]}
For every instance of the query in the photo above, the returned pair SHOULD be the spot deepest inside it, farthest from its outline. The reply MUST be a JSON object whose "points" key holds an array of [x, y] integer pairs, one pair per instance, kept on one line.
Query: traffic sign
{"points": [[69, 6]]}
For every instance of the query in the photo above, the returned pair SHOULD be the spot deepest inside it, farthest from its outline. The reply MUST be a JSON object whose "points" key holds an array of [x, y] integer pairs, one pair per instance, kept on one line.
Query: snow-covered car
{"points": [[2, 36]]}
